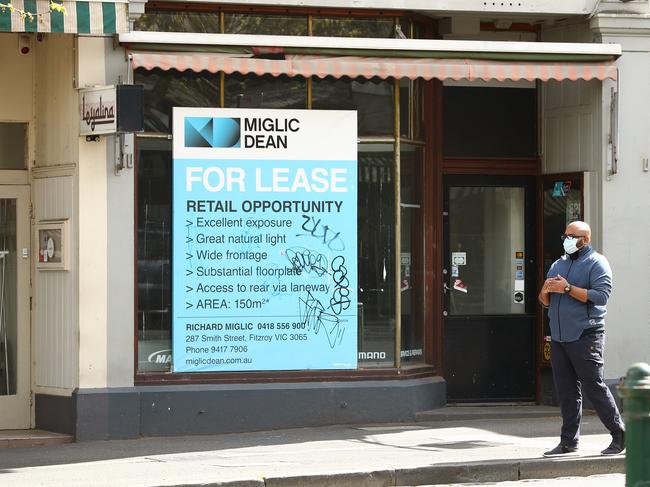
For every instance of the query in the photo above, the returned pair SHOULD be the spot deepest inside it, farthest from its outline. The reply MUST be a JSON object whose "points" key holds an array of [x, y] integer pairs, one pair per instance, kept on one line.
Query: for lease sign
{"points": [[264, 240]]}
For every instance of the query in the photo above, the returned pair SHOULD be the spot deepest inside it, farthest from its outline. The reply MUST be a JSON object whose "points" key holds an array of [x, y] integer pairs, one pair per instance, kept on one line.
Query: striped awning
{"points": [[94, 18], [370, 67]]}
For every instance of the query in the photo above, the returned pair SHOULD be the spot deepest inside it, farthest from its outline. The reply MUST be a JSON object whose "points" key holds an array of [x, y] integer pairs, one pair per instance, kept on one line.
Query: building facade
{"points": [[481, 132]]}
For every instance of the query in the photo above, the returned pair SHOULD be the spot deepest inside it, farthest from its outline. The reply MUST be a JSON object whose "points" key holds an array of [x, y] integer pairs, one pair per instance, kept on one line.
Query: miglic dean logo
{"points": [[258, 133], [212, 132]]}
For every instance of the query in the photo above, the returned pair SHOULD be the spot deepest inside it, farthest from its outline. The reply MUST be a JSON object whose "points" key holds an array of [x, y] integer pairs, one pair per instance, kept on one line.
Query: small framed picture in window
{"points": [[53, 247]]}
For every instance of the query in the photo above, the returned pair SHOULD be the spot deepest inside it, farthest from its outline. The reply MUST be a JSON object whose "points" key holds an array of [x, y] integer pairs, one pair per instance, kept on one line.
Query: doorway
{"points": [[15, 374], [489, 288]]}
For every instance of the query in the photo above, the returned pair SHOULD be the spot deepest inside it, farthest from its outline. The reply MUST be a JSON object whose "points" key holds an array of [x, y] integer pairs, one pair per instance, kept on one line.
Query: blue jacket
{"points": [[569, 317]]}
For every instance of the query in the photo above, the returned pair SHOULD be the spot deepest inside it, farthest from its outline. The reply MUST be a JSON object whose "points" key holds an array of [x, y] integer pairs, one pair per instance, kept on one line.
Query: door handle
{"points": [[445, 287]]}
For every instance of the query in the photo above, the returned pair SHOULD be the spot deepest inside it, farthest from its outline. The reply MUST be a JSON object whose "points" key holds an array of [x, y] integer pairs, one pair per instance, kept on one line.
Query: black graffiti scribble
{"points": [[313, 314], [319, 230], [340, 300], [307, 260]]}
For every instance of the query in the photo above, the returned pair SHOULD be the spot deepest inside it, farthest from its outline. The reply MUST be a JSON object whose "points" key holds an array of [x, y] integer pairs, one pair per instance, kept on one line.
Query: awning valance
{"points": [[370, 67], [94, 17], [373, 47]]}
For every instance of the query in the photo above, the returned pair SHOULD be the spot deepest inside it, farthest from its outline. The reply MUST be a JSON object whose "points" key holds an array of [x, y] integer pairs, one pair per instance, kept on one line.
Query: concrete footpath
{"points": [[500, 444]]}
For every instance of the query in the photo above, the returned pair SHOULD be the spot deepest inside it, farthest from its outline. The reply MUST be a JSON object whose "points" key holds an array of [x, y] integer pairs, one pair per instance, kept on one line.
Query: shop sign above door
{"points": [[97, 111]]}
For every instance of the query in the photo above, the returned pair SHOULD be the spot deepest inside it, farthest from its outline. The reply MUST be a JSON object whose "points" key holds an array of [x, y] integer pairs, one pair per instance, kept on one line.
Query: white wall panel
{"points": [[54, 303], [552, 153], [93, 247], [571, 115], [586, 135], [93, 231], [552, 94], [120, 252], [570, 137]]}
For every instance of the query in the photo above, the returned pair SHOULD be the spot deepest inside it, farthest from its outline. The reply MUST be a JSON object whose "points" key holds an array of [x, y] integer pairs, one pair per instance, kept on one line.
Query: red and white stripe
{"points": [[370, 67]]}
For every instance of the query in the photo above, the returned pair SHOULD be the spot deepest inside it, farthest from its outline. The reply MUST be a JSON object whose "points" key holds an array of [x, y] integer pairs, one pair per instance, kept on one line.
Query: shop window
{"points": [[178, 21], [353, 27], [13, 143], [376, 264], [410, 111], [376, 255], [489, 122], [166, 89], [411, 253], [286, 25], [373, 99], [251, 91], [154, 254]]}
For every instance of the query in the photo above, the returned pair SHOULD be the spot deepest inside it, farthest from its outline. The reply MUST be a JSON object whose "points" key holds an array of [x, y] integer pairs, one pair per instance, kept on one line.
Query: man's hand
{"points": [[554, 284], [551, 285], [557, 284]]}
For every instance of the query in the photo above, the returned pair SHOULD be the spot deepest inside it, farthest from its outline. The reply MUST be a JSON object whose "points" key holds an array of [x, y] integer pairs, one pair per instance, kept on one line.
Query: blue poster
{"points": [[264, 240]]}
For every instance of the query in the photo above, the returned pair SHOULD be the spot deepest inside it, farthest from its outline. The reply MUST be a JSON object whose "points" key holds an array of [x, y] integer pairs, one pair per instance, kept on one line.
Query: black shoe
{"points": [[561, 450], [617, 445]]}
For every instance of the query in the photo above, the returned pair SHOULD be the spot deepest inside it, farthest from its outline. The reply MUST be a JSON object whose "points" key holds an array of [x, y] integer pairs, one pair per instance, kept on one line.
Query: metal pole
{"points": [[3, 323], [3, 320], [398, 228], [635, 392], [310, 80]]}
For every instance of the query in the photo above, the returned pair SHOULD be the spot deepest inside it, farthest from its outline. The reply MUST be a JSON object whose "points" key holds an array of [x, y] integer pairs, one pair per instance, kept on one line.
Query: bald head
{"points": [[581, 229]]}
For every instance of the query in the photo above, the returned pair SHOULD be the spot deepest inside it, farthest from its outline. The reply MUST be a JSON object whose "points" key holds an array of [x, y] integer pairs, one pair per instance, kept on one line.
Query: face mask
{"points": [[570, 245]]}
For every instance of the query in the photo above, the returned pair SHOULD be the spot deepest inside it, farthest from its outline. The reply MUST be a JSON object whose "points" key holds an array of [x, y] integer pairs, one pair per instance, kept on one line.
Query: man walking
{"points": [[576, 291]]}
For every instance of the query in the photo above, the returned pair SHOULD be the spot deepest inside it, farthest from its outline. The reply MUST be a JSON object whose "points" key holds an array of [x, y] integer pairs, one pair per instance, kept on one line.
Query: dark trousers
{"points": [[577, 368]]}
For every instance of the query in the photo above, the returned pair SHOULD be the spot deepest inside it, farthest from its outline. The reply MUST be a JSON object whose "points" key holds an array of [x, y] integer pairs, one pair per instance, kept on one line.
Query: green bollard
{"points": [[635, 392]]}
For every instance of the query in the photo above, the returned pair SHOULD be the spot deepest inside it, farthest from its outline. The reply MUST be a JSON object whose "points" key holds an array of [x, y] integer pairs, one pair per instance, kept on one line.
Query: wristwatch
{"points": [[567, 288]]}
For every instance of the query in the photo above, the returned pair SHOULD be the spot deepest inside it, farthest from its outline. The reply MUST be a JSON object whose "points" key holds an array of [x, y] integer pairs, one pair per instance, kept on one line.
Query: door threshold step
{"points": [[28, 438]]}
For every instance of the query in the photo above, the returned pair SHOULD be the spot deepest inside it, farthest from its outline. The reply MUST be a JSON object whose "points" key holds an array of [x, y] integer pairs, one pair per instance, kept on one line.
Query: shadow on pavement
{"points": [[11, 458]]}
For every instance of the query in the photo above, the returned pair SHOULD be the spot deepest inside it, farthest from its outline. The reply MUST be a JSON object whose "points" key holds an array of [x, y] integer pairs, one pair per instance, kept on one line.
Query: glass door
{"points": [[563, 203], [14, 308], [489, 288]]}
